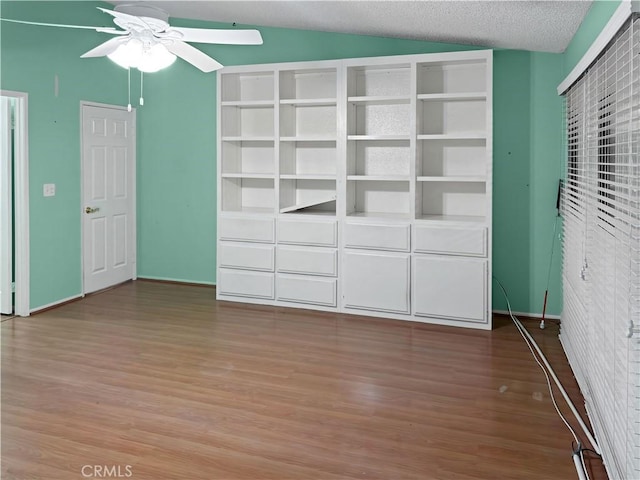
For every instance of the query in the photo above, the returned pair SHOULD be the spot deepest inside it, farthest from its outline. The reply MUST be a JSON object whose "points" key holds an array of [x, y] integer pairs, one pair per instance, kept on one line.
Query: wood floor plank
{"points": [[165, 380]]}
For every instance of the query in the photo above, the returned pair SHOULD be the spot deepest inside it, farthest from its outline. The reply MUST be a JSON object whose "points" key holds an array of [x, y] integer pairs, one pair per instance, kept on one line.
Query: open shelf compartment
{"points": [[308, 84], [379, 157], [452, 77], [308, 158], [452, 201], [389, 199], [452, 158], [308, 121], [308, 196], [248, 195], [248, 157], [379, 81], [456, 118], [378, 118], [247, 122], [247, 87]]}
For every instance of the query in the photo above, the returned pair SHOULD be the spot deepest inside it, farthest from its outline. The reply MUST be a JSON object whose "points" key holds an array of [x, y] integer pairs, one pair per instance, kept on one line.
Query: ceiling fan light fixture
{"points": [[156, 58], [134, 54], [128, 54]]}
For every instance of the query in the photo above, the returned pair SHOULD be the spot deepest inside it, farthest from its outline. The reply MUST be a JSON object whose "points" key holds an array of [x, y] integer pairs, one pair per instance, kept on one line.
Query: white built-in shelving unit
{"points": [[308, 138], [359, 185]]}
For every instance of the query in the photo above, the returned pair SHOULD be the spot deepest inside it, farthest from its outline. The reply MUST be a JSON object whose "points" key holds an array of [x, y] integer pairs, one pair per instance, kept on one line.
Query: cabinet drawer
{"points": [[301, 289], [450, 288], [247, 229], [245, 284], [377, 236], [451, 240], [313, 261], [247, 256], [308, 233]]}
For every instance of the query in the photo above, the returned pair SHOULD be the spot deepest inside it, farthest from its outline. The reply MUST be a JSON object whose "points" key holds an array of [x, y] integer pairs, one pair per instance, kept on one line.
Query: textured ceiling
{"points": [[545, 26]]}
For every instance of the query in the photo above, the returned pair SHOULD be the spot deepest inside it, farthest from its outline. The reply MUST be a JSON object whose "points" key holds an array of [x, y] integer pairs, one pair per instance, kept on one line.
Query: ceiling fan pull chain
{"points": [[129, 89], [141, 97]]}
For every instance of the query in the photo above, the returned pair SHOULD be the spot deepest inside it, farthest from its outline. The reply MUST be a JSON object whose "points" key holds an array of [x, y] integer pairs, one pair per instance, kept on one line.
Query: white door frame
{"points": [[134, 222], [21, 207], [6, 206]]}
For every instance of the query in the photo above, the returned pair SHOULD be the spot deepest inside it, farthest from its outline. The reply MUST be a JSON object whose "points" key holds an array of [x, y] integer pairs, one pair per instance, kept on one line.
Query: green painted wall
{"points": [[511, 178], [545, 170], [598, 16], [176, 147], [30, 59]]}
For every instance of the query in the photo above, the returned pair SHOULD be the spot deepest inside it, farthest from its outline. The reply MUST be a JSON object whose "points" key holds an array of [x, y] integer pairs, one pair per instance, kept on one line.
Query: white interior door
{"points": [[6, 222], [108, 209]]}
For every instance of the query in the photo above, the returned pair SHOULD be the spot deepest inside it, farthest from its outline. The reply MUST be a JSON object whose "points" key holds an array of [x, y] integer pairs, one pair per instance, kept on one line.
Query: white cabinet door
{"points": [[450, 288], [375, 281]]}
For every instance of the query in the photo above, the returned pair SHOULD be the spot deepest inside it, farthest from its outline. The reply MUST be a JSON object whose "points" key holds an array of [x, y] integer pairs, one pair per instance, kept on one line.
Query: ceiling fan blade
{"points": [[194, 56], [203, 35], [105, 48], [84, 27]]}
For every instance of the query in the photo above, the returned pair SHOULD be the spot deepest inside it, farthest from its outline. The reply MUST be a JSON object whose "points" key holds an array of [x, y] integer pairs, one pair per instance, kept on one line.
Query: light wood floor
{"points": [[165, 380]]}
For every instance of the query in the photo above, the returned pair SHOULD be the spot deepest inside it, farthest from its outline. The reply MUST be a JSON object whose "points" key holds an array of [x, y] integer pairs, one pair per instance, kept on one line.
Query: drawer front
{"points": [[311, 261], [245, 284], [293, 232], [247, 229], [451, 240], [377, 237], [247, 256], [312, 290]]}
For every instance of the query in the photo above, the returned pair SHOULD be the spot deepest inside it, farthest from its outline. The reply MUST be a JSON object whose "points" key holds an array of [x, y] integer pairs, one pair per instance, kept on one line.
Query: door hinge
{"points": [[13, 287]]}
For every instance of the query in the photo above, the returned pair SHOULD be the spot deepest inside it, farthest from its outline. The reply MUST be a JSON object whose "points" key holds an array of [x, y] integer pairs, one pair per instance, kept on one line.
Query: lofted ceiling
{"points": [[545, 26]]}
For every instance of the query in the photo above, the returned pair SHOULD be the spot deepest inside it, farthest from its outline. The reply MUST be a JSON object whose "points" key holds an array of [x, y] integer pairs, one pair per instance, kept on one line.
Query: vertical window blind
{"points": [[600, 328]]}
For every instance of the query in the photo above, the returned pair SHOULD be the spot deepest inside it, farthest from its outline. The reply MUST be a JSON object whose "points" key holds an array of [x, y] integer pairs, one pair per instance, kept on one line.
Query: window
{"points": [[601, 256], [606, 159]]}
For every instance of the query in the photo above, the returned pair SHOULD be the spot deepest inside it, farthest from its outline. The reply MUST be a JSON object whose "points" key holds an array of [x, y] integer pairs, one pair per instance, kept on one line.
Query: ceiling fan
{"points": [[146, 40]]}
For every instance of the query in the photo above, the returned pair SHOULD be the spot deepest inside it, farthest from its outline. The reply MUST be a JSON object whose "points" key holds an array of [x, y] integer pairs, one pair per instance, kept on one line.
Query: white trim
{"points": [[103, 105], [6, 208], [21, 198], [621, 15], [530, 315], [56, 303], [177, 280]]}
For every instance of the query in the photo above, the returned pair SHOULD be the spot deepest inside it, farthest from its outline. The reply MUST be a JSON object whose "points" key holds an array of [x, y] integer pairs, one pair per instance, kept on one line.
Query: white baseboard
{"points": [[177, 280], [56, 303], [525, 314]]}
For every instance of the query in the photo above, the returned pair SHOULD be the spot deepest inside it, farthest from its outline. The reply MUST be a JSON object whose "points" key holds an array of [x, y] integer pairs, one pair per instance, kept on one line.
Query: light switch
{"points": [[49, 189]]}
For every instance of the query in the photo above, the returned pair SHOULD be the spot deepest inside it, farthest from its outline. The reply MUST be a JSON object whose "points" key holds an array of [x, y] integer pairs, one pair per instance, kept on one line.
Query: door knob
{"points": [[91, 210]]}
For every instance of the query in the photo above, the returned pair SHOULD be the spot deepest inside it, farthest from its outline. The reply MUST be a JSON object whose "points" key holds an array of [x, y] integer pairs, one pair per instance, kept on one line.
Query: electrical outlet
{"points": [[49, 189]]}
